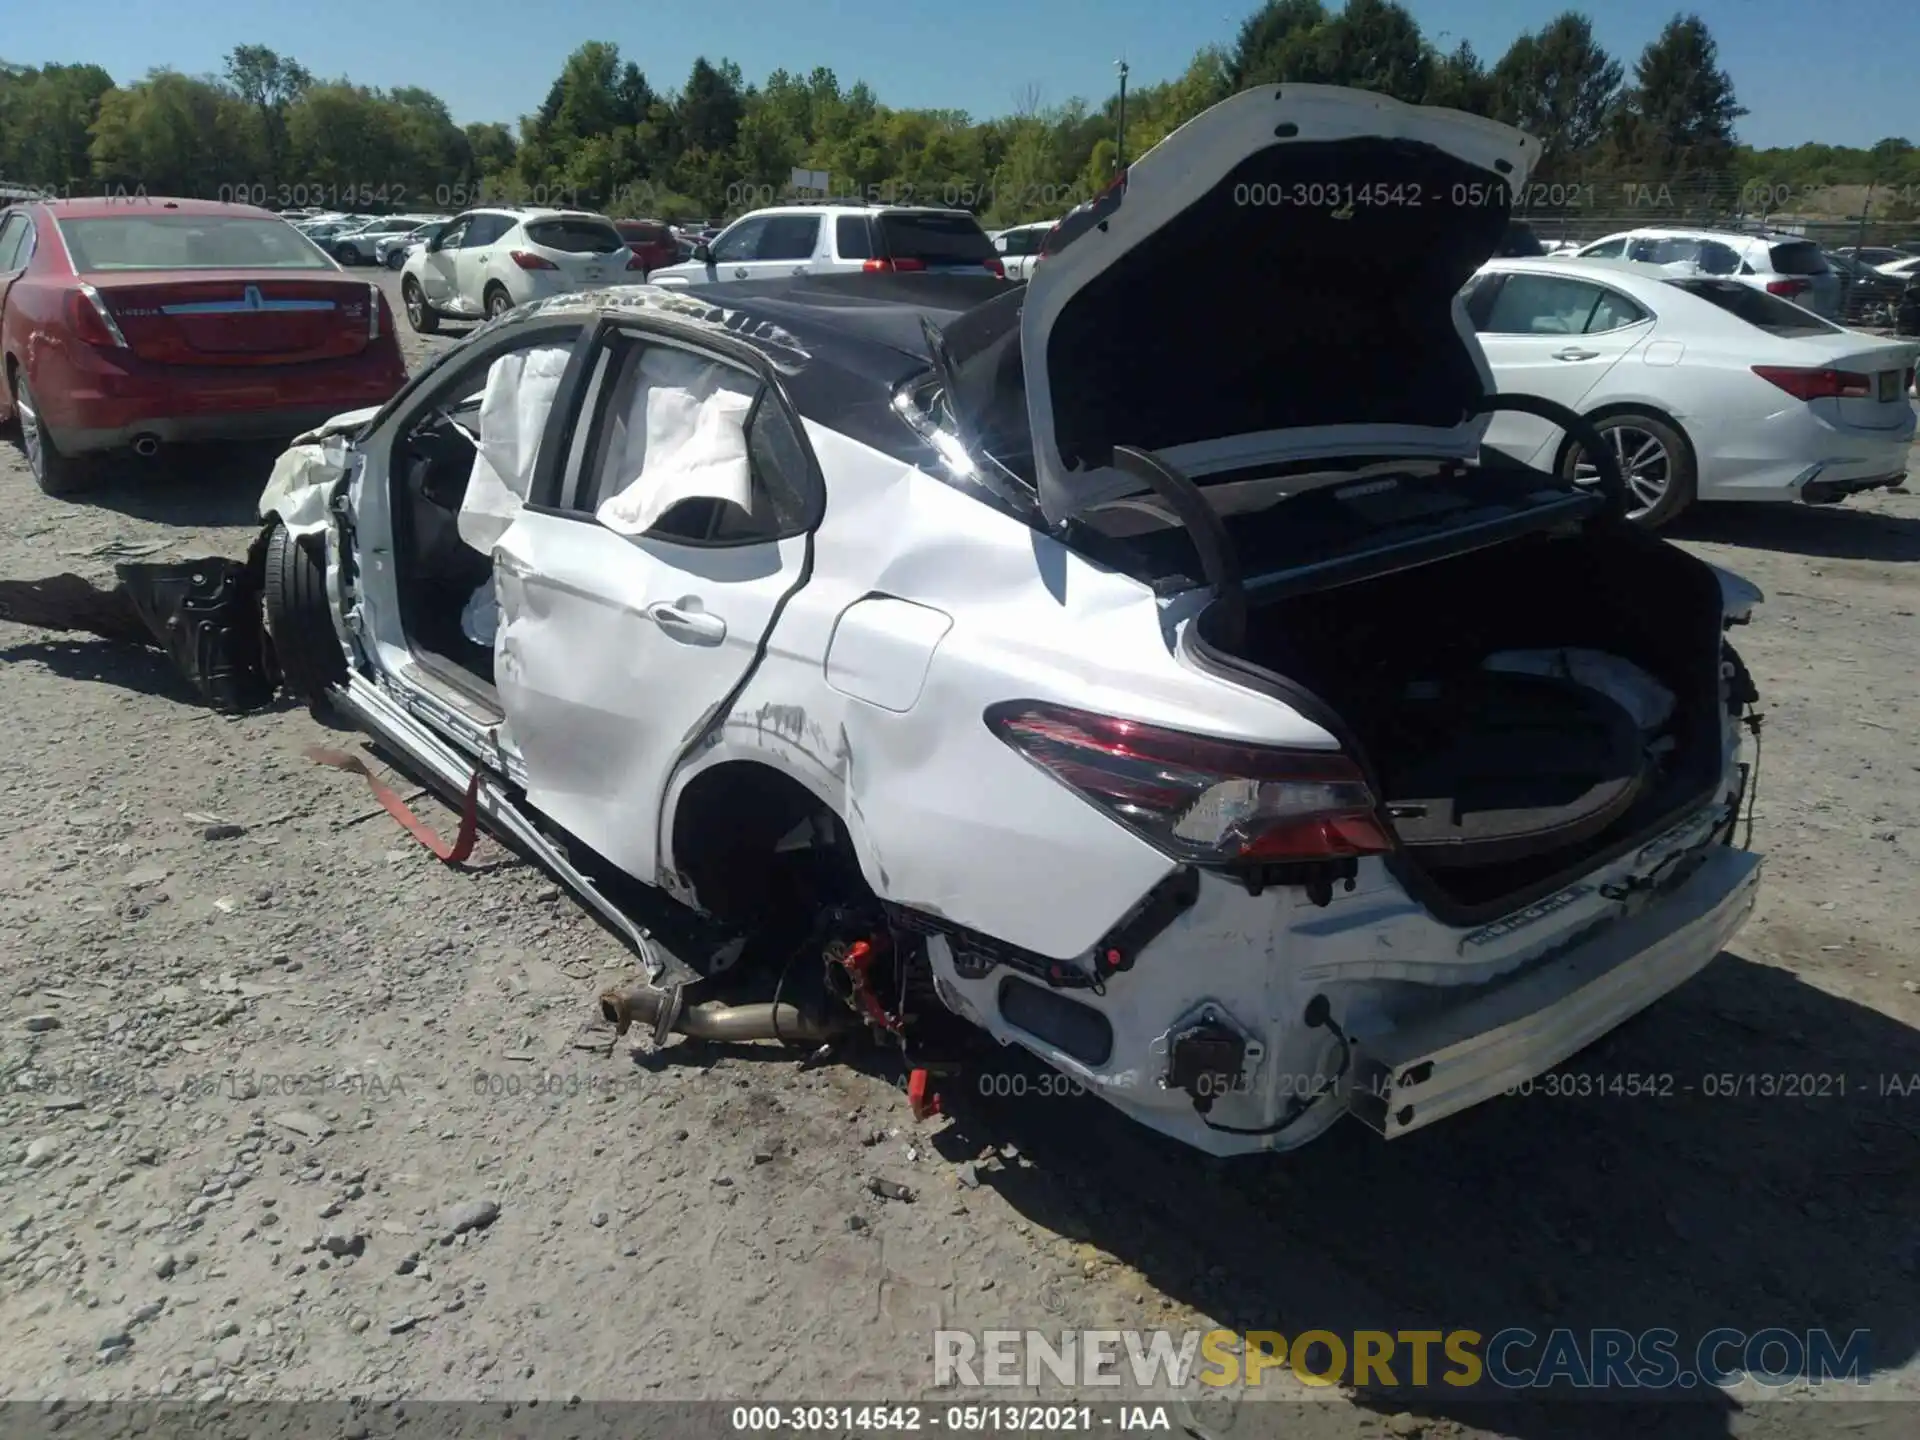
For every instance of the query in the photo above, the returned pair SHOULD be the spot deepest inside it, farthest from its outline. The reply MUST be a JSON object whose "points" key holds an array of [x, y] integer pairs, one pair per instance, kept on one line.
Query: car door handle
{"points": [[740, 274], [1574, 352], [684, 623]]}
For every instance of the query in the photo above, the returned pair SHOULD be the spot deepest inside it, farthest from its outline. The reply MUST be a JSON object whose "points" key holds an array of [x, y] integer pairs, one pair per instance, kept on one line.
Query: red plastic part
{"points": [[920, 1098]]}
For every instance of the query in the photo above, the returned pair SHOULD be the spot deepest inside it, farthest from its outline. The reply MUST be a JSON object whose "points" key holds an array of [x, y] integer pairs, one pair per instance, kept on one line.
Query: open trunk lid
{"points": [[1274, 282], [191, 318]]}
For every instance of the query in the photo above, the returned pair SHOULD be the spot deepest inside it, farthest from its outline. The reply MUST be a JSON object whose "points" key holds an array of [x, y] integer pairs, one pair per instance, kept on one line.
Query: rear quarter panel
{"points": [[945, 817], [33, 325]]}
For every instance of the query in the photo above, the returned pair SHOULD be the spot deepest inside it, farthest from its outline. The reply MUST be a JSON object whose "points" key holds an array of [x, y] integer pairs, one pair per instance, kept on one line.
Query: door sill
{"points": [[454, 685]]}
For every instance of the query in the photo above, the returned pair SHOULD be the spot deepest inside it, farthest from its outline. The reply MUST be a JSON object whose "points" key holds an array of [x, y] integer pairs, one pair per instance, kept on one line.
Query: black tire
{"points": [[300, 621], [397, 260], [422, 316], [1634, 434], [349, 255], [498, 301], [56, 474]]}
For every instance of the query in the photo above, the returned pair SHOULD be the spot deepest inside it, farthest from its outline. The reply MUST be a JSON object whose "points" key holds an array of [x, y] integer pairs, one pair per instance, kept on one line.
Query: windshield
{"points": [[189, 242]]}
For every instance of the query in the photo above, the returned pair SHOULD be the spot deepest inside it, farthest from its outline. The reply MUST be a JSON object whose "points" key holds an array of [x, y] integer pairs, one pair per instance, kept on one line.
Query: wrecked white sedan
{"points": [[1149, 674]]}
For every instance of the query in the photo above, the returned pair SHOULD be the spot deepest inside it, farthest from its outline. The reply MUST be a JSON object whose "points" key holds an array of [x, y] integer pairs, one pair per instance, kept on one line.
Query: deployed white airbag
{"points": [[1622, 681], [682, 436], [513, 414]]}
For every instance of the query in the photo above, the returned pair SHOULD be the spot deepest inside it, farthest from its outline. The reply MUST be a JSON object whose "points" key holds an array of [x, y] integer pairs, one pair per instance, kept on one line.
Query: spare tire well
{"points": [[731, 828]]}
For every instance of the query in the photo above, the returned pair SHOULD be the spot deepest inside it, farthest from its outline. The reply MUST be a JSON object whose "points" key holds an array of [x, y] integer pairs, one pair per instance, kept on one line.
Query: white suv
{"points": [[1019, 248], [911, 660], [833, 239], [487, 261], [1790, 266]]}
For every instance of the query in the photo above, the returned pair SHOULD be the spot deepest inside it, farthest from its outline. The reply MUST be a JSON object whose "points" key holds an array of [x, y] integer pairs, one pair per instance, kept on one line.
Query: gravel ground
{"points": [[304, 1113]]}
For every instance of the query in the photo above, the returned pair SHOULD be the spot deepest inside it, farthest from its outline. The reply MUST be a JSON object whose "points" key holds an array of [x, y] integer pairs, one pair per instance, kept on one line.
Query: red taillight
{"points": [[1805, 384], [91, 321], [636, 261], [527, 260], [893, 267], [1789, 288], [992, 263], [1199, 799]]}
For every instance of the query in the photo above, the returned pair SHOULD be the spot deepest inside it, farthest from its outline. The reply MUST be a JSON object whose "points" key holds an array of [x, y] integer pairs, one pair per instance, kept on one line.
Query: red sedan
{"points": [[139, 323], [650, 240]]}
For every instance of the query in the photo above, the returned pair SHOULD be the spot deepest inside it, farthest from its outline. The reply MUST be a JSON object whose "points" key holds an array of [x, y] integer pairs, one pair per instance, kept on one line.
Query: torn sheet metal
{"points": [[302, 484], [681, 436]]}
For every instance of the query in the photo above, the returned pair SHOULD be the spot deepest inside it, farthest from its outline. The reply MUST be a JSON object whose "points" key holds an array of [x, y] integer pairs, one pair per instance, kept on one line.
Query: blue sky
{"points": [[1802, 75]]}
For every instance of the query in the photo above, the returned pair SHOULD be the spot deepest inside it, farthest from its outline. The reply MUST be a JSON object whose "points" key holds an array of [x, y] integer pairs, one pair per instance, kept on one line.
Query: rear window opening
{"points": [[1797, 257], [934, 237], [189, 242], [576, 237], [1759, 309], [640, 232]]}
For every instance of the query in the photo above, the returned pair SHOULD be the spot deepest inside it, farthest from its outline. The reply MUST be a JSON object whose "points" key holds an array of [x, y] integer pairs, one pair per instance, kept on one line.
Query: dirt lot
{"points": [[278, 1065]]}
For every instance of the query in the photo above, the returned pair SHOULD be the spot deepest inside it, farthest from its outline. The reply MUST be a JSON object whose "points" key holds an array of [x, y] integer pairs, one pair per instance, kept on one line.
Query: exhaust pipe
{"points": [[146, 446], [667, 1012]]}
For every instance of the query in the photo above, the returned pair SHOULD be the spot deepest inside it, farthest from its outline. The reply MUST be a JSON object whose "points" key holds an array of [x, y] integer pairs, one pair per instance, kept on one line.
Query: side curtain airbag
{"points": [[683, 437], [513, 414]]}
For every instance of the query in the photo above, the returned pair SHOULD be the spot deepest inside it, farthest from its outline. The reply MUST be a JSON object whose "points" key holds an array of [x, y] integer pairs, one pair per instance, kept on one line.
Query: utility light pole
{"points": [[1120, 146]]}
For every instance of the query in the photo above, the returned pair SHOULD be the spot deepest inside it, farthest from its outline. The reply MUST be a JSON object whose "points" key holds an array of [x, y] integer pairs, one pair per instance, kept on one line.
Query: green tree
{"points": [[269, 82], [173, 134], [1680, 114], [1459, 81], [1560, 87], [46, 123], [1279, 41], [1374, 45]]}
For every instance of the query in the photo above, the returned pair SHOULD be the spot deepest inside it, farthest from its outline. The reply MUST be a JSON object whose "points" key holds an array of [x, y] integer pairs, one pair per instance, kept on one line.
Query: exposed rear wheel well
{"points": [[734, 830]]}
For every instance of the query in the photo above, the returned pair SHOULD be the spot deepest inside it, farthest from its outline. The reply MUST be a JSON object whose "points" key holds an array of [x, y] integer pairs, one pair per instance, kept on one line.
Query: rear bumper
{"points": [[108, 401], [1519, 1027], [1823, 489], [1780, 456], [192, 429]]}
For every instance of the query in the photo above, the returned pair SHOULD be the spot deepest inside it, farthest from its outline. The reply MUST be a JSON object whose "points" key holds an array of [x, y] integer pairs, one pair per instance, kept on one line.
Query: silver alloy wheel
{"points": [[416, 304], [498, 304], [1644, 462], [31, 439]]}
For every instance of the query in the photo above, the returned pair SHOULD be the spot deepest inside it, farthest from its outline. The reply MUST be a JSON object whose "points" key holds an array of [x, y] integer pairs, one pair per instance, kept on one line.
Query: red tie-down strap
{"points": [[463, 841]]}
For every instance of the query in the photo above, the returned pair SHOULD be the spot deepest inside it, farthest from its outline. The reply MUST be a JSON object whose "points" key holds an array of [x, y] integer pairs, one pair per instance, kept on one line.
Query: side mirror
{"points": [[703, 252]]}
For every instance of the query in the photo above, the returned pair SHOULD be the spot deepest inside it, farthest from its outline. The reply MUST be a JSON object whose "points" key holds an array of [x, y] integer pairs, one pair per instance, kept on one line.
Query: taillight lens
{"points": [[636, 261], [992, 263], [91, 321], [527, 260], [376, 304], [1789, 288], [893, 267], [1198, 799], [1806, 384]]}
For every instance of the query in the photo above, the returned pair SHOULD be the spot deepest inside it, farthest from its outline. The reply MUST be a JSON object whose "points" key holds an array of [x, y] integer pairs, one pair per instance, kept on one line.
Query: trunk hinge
{"points": [[1218, 560]]}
